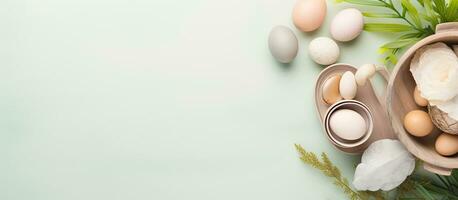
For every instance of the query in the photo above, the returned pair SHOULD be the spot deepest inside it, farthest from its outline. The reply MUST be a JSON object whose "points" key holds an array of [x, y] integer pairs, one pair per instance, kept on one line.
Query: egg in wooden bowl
{"points": [[405, 107]]}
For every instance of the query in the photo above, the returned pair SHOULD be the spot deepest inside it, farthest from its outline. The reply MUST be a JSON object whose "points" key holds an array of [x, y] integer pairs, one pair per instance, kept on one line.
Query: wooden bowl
{"points": [[400, 101], [367, 96]]}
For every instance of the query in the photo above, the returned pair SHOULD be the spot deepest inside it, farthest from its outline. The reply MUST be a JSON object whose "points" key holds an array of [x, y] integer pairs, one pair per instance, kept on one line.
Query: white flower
{"points": [[384, 165], [435, 70]]}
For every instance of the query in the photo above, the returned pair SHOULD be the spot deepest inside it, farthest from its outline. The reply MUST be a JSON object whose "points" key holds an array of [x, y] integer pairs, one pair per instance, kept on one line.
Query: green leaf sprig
{"points": [[411, 20]]}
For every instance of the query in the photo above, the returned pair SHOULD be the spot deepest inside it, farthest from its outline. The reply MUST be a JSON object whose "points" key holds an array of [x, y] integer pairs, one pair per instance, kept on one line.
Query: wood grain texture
{"points": [[400, 101]]}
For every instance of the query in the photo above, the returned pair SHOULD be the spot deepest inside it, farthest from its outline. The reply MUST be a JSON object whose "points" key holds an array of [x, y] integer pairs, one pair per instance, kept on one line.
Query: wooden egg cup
{"points": [[381, 127], [356, 106], [400, 101]]}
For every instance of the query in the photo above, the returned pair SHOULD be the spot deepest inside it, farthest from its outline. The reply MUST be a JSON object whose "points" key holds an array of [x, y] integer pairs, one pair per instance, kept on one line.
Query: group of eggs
{"points": [[346, 123], [308, 15], [419, 124]]}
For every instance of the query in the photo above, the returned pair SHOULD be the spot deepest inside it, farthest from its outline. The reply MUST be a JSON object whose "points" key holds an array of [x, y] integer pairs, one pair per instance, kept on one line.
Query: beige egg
{"points": [[446, 144], [324, 51], [364, 73], [347, 86], [330, 89], [418, 123], [418, 98], [348, 124], [308, 15]]}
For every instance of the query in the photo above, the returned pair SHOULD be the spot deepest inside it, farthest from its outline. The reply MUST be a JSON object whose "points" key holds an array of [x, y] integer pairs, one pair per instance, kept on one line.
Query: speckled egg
{"points": [[324, 51]]}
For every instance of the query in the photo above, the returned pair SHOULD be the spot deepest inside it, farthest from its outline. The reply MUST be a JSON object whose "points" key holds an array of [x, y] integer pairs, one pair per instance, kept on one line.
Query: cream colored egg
{"points": [[347, 25], [418, 123], [348, 124], [330, 89], [324, 51], [347, 86], [418, 98], [364, 73], [308, 15], [446, 144]]}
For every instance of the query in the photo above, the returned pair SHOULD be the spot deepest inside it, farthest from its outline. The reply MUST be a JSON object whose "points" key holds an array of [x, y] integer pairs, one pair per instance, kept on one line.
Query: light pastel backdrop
{"points": [[159, 99]]}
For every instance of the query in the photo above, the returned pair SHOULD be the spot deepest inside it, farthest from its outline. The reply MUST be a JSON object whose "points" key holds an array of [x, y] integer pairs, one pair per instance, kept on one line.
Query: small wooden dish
{"points": [[367, 96], [358, 107], [400, 101]]}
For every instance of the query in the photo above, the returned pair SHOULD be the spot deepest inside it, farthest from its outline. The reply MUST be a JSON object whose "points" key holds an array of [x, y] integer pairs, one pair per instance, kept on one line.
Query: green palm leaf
{"points": [[363, 2], [380, 15], [412, 12], [452, 10], [400, 43], [387, 27]]}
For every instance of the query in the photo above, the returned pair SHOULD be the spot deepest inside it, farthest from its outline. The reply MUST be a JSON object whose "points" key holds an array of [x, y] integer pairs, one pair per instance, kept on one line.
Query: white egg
{"points": [[347, 86], [348, 124], [283, 44], [324, 51], [347, 25], [364, 73]]}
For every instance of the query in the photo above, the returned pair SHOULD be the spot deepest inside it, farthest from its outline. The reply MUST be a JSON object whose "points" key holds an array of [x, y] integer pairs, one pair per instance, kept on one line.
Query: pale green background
{"points": [[159, 99]]}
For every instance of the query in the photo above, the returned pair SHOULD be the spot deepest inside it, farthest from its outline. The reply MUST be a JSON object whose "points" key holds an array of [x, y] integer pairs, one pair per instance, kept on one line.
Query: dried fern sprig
{"points": [[330, 170], [414, 187]]}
